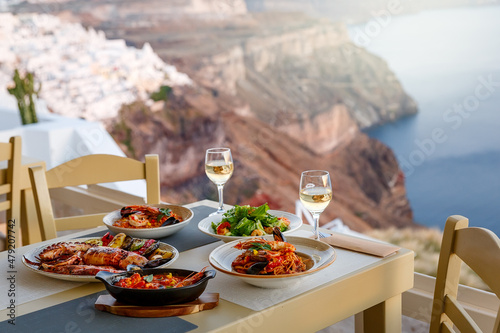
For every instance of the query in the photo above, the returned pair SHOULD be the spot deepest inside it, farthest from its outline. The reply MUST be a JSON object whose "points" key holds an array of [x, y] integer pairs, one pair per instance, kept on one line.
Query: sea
{"points": [[448, 61]]}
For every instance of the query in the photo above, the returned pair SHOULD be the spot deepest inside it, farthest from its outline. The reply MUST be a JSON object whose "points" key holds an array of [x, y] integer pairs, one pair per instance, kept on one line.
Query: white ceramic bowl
{"points": [[205, 225], [33, 257], [321, 254], [186, 214]]}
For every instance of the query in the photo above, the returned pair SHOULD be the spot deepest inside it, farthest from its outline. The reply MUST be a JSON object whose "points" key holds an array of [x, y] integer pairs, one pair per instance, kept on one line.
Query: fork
{"points": [[322, 234]]}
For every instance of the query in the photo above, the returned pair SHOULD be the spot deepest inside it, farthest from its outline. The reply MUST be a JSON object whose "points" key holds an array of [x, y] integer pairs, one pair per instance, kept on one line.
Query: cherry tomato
{"points": [[222, 226]]}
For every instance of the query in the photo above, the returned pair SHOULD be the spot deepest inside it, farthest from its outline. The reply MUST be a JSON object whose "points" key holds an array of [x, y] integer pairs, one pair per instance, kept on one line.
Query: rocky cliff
{"points": [[287, 93], [286, 62], [368, 185]]}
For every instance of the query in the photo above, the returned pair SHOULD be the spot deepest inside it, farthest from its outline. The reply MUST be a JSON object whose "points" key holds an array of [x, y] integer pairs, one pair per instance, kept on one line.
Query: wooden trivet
{"points": [[109, 304]]}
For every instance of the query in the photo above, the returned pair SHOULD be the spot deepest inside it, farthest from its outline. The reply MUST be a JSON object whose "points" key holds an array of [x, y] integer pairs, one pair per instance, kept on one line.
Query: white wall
{"points": [[56, 139]]}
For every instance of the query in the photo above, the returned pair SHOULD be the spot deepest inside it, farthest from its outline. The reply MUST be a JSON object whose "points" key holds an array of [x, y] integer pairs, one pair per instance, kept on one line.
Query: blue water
{"points": [[449, 62]]}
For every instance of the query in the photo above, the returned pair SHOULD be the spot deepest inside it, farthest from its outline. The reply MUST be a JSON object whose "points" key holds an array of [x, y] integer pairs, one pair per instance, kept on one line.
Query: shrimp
{"points": [[191, 279], [257, 232], [58, 250]]}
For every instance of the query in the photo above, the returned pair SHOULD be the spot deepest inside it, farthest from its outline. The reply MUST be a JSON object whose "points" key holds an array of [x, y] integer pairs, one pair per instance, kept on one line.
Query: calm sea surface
{"points": [[449, 62]]}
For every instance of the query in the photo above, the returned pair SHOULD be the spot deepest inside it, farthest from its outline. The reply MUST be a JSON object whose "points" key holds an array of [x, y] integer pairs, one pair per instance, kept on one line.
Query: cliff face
{"points": [[289, 63], [286, 94], [368, 185]]}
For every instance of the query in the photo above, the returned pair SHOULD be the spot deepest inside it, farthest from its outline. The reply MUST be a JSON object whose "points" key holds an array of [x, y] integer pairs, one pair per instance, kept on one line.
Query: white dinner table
{"points": [[358, 284]]}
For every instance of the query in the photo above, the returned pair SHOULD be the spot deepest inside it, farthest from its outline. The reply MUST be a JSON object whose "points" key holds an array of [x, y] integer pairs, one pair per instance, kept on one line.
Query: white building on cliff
{"points": [[83, 74]]}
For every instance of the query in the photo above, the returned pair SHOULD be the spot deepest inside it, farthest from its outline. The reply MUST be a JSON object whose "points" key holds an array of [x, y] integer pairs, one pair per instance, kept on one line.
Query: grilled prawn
{"points": [[85, 259]]}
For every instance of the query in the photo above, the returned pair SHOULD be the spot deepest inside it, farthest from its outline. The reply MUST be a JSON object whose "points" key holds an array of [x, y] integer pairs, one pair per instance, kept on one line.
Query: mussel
{"points": [[278, 235], [150, 264], [127, 210], [171, 220], [257, 267]]}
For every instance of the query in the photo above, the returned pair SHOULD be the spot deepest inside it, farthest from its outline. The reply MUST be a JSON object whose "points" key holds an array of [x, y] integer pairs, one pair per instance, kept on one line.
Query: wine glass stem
{"points": [[220, 189], [316, 225]]}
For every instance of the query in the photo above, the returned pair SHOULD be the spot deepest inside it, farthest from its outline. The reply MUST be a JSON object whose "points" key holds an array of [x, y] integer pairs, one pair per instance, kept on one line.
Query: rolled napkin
{"points": [[360, 245]]}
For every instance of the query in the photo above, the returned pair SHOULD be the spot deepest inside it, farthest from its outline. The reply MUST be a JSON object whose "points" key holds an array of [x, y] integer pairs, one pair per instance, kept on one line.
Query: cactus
{"points": [[24, 91]]}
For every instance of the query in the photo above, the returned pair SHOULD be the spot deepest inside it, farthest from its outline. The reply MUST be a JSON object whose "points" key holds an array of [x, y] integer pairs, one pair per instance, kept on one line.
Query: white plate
{"points": [[205, 225], [186, 214], [322, 256], [33, 254]]}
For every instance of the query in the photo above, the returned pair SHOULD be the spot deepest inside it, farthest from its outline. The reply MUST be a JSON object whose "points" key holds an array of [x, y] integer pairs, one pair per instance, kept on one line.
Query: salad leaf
{"points": [[245, 219], [260, 211], [163, 212], [260, 246], [246, 226]]}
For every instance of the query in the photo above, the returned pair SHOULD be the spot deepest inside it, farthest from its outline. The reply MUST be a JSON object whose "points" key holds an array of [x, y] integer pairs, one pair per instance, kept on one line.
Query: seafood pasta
{"points": [[264, 257]]}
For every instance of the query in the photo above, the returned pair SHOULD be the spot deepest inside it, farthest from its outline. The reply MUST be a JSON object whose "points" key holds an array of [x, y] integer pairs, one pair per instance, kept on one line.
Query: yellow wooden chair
{"points": [[479, 248], [87, 170], [10, 188]]}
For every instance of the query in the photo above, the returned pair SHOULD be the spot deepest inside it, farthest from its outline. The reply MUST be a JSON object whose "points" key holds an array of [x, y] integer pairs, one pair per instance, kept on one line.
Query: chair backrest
{"points": [[88, 170], [479, 248], [10, 186]]}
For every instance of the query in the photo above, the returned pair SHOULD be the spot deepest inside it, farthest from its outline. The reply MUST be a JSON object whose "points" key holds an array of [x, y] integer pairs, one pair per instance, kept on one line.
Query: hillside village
{"points": [[83, 74]]}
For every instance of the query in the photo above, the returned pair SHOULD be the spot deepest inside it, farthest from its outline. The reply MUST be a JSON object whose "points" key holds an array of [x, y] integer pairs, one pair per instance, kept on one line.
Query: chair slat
{"points": [[446, 328], [5, 151], [88, 170], [10, 182], [79, 222], [42, 202], [459, 316], [152, 179], [4, 205], [482, 255], [5, 188], [95, 169]]}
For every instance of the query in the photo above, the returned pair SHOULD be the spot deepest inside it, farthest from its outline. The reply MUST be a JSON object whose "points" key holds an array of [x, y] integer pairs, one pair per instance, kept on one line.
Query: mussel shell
{"points": [[256, 268], [171, 220], [278, 235], [126, 211]]}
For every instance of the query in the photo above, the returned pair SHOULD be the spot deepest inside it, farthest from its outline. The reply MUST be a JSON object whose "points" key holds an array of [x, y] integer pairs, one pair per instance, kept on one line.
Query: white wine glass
{"points": [[219, 168], [315, 194]]}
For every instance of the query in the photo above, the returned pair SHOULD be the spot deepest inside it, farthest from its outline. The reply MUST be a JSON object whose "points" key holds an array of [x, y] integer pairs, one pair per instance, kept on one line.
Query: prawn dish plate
{"points": [[33, 256], [315, 254], [205, 225], [185, 213]]}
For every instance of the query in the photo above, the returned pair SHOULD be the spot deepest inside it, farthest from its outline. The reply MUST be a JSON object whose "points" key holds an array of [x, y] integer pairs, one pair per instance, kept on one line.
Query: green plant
{"points": [[161, 94], [24, 91]]}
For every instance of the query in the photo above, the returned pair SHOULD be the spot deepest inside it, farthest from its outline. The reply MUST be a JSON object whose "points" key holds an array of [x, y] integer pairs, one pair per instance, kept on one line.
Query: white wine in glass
{"points": [[219, 168], [315, 194]]}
